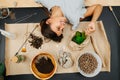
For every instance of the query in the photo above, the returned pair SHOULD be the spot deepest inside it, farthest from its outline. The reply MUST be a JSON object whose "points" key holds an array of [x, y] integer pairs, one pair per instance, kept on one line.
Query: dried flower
{"points": [[36, 41]]}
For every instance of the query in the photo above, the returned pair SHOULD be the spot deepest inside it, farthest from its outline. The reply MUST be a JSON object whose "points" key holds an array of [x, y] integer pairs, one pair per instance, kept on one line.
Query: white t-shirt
{"points": [[72, 9]]}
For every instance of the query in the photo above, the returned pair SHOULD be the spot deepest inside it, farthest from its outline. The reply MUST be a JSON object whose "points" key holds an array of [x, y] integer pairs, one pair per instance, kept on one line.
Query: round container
{"points": [[4, 12], [96, 70], [37, 73]]}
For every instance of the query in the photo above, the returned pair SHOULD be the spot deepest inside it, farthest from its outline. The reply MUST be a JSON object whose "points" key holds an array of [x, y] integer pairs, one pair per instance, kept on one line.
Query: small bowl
{"points": [[98, 68], [39, 74], [4, 13]]}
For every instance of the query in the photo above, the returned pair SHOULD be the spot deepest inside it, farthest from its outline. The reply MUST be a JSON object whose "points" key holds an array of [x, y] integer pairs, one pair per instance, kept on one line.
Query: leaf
{"points": [[2, 68]]}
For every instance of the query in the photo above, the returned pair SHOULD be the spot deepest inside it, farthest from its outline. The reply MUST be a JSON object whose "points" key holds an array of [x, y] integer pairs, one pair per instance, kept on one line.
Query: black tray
{"points": [[113, 33]]}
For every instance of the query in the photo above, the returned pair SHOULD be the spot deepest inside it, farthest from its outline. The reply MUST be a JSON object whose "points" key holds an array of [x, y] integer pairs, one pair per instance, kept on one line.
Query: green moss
{"points": [[79, 37]]}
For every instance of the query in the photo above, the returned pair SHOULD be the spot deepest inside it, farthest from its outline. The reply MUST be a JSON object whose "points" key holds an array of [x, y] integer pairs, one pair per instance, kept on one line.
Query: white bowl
{"points": [[97, 70]]}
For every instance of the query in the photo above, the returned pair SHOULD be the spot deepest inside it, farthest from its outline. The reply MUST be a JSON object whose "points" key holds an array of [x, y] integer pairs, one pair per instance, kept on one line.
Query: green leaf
{"points": [[79, 37], [83, 35], [2, 68], [78, 33]]}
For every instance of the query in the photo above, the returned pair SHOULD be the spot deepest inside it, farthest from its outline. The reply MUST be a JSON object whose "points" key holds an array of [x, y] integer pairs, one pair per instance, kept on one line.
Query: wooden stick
{"points": [[110, 8], [26, 40], [114, 15]]}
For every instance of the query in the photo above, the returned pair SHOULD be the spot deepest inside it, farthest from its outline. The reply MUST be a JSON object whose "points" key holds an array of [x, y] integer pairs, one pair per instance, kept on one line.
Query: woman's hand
{"points": [[90, 29]]}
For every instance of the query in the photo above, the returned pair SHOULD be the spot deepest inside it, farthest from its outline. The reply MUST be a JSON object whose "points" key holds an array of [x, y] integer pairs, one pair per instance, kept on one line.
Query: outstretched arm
{"points": [[95, 11]]}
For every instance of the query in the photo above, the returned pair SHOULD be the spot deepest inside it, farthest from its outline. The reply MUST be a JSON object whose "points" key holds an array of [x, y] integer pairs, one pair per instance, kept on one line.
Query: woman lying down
{"points": [[63, 11]]}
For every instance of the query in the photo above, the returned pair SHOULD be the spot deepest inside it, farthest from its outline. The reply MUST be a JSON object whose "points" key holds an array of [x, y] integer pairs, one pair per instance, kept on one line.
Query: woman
{"points": [[62, 11]]}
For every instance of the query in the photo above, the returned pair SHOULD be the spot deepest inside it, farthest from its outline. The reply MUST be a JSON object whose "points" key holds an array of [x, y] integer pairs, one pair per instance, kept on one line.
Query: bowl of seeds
{"points": [[89, 64], [43, 66]]}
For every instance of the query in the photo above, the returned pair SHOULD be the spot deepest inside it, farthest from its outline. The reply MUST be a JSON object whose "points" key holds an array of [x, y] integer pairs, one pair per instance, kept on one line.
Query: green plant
{"points": [[2, 68], [79, 37]]}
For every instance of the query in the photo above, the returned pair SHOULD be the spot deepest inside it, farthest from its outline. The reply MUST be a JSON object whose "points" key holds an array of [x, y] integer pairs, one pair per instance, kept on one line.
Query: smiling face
{"points": [[57, 24]]}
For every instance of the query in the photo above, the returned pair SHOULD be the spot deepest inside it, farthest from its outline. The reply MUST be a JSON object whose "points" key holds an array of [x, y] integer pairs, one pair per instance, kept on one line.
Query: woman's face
{"points": [[57, 24]]}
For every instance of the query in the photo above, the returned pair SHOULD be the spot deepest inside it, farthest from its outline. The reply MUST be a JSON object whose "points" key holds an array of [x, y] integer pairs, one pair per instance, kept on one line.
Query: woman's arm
{"points": [[95, 11]]}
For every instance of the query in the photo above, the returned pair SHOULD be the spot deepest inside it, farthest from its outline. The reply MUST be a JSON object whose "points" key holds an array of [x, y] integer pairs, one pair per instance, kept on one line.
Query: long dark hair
{"points": [[48, 33]]}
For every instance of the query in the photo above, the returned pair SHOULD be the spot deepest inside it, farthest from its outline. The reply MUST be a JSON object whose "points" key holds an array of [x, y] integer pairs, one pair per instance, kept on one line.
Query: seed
{"points": [[87, 63]]}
